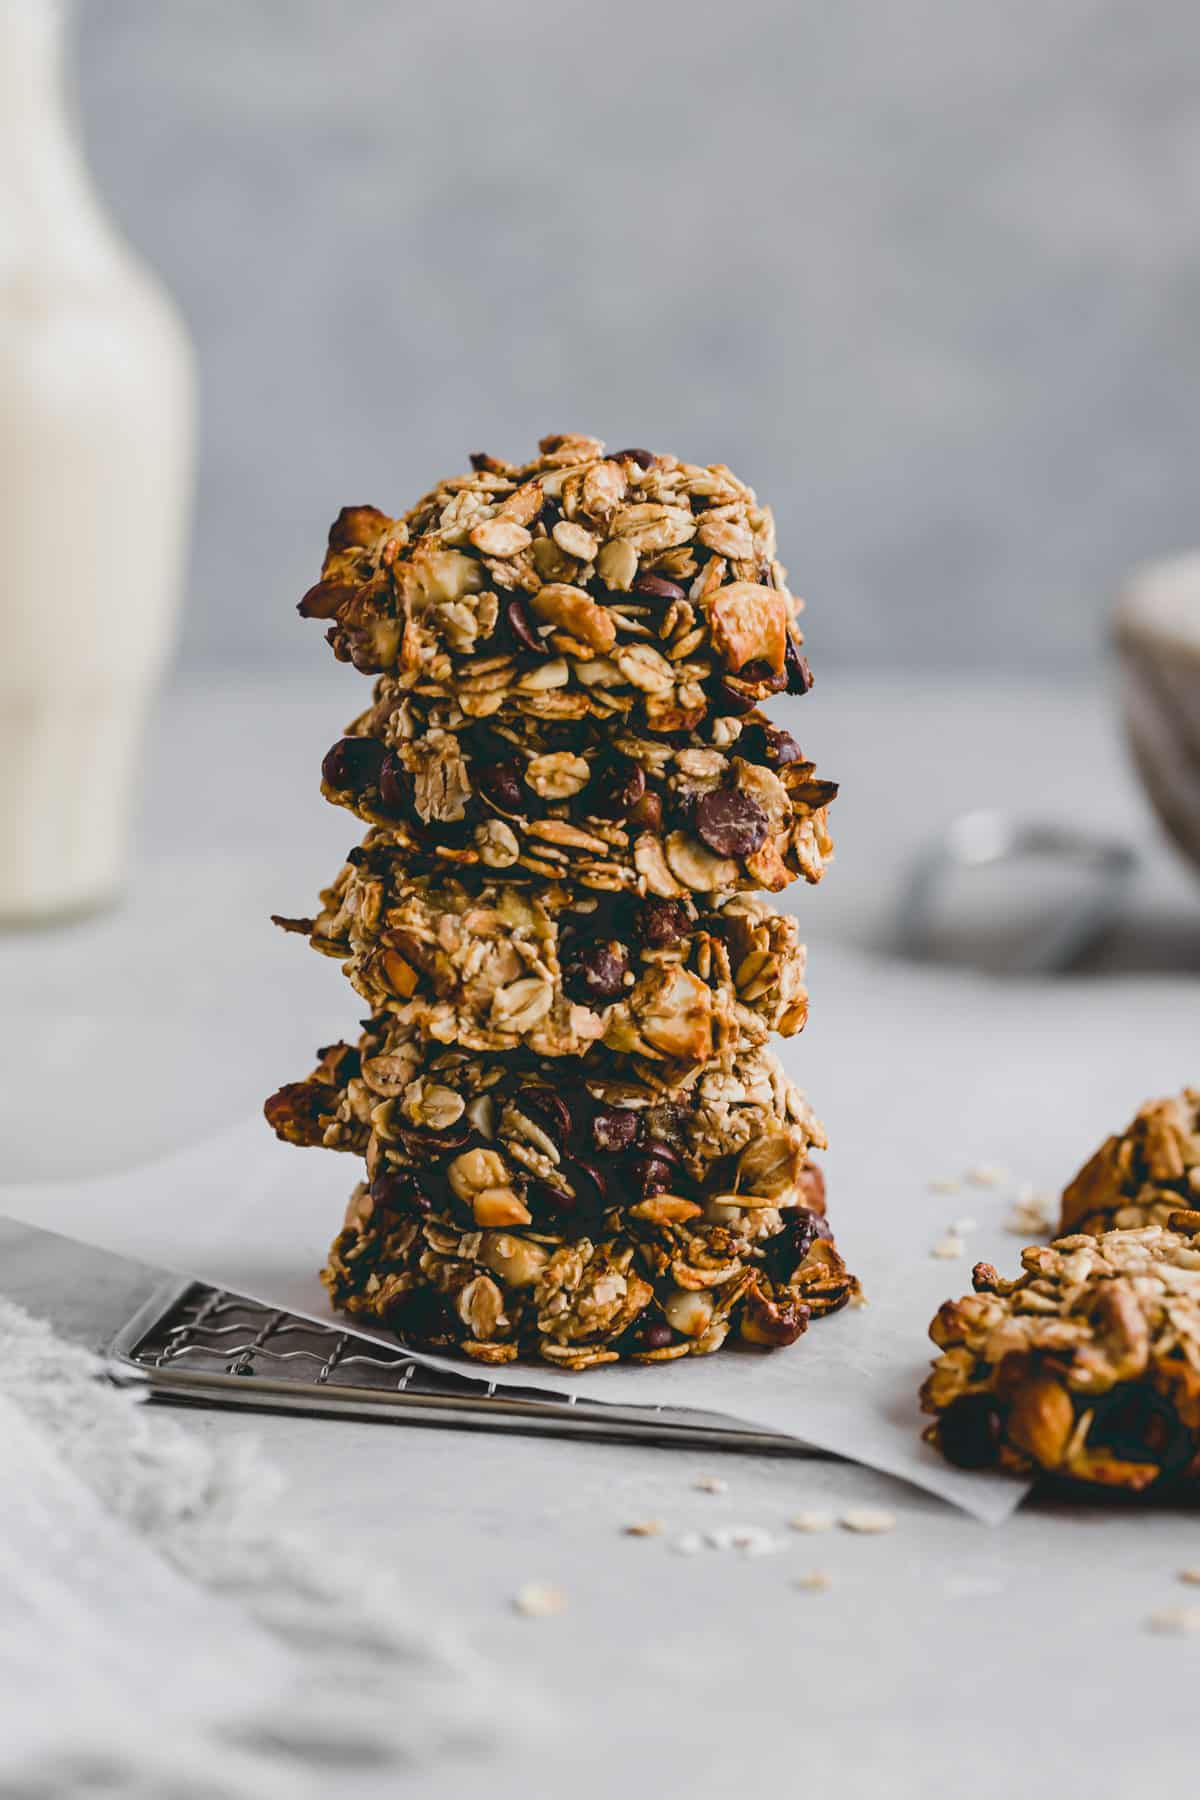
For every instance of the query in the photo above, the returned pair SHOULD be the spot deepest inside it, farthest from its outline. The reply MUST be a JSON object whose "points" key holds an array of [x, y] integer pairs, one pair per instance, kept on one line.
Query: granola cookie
{"points": [[496, 965], [1087, 1365], [513, 1140], [631, 586], [657, 1281], [735, 806], [1142, 1176]]}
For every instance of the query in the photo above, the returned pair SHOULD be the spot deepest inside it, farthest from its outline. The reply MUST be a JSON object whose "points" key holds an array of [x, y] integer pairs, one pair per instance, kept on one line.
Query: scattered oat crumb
{"points": [[644, 1528], [949, 1247], [751, 1540], [987, 1175], [1175, 1621], [868, 1519], [811, 1521], [1190, 1577], [960, 1227], [710, 1484], [540, 1600], [945, 1185], [689, 1543], [816, 1582]]}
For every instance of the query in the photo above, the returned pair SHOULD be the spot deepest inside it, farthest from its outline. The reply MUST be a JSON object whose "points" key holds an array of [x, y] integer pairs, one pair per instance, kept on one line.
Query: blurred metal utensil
{"points": [[990, 839]]}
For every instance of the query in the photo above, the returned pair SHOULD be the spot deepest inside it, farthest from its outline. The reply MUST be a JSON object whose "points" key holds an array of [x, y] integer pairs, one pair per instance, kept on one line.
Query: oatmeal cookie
{"points": [[508, 1140], [631, 586], [499, 965], [1087, 1365], [735, 806], [1144, 1175], [650, 1283]]}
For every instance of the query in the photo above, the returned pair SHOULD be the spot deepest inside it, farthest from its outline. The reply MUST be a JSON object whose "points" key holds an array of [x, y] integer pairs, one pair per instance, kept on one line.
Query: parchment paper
{"points": [[918, 1075]]}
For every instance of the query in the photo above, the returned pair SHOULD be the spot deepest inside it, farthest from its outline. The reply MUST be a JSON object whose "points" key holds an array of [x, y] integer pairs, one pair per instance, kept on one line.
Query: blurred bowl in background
{"points": [[1157, 632]]}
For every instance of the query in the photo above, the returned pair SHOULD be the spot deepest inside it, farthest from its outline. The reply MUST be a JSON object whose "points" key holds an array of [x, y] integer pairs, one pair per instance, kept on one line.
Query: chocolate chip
{"points": [[541, 1199], [770, 745], [614, 1128], [969, 1431], [425, 1146], [516, 617], [587, 1182], [762, 677], [482, 463], [653, 1170], [502, 783], [799, 675], [729, 700], [1139, 1424], [399, 1192], [654, 587], [596, 972], [547, 1109], [730, 822], [353, 764], [657, 1336], [616, 786], [661, 923], [643, 458], [647, 815], [395, 788], [422, 1318]]}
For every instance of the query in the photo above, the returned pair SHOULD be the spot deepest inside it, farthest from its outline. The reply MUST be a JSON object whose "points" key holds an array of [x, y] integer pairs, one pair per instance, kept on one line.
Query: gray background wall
{"points": [[927, 272]]}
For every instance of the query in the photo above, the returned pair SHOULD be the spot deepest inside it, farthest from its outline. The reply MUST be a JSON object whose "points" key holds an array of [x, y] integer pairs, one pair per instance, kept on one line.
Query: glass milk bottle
{"points": [[95, 476]]}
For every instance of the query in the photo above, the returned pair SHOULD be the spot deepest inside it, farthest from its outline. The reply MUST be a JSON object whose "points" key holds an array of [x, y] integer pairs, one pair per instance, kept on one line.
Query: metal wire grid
{"points": [[201, 1345]]}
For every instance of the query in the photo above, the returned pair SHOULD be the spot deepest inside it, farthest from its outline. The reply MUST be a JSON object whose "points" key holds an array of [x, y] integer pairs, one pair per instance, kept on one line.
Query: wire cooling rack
{"points": [[199, 1346]]}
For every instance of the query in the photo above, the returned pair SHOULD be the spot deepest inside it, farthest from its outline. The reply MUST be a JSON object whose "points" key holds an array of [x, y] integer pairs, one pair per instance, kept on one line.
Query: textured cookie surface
{"points": [[506, 1140], [734, 806], [1143, 1175], [650, 1283], [1087, 1365], [574, 585], [497, 965]]}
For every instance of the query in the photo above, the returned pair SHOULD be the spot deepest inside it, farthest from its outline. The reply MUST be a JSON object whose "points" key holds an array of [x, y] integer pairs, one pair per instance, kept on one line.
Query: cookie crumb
{"points": [[540, 1600], [710, 1484], [868, 1520], [751, 1540], [987, 1175], [811, 1521], [1190, 1577], [1175, 1621], [816, 1582], [949, 1247], [644, 1528]]}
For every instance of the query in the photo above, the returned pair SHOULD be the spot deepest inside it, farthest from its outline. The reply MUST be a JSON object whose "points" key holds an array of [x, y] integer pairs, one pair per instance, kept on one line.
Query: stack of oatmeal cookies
{"points": [[577, 1145]]}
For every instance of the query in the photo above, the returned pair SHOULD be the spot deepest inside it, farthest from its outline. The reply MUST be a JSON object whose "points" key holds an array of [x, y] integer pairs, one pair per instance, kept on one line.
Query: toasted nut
{"points": [[517, 1260], [689, 1313], [576, 612], [498, 1207], [1042, 1419], [474, 1170], [400, 977], [665, 1209], [749, 624], [500, 537]]}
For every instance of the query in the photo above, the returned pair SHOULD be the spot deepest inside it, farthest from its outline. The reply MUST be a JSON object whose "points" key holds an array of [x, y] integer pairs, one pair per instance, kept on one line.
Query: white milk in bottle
{"points": [[95, 474]]}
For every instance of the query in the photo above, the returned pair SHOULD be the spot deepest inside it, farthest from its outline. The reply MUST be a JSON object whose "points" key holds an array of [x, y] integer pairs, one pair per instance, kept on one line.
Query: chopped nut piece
{"points": [[643, 1528]]}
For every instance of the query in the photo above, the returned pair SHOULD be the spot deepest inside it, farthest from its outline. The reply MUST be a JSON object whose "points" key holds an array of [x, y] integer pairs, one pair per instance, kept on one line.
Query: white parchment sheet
{"points": [[918, 1076]]}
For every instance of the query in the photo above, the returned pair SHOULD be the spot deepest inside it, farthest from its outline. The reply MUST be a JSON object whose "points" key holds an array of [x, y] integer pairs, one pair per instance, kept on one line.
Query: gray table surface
{"points": [[1015, 1661]]}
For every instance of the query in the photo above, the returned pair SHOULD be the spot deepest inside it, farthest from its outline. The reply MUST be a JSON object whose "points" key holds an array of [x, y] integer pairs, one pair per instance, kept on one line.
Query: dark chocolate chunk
{"points": [[503, 784], [614, 1128], [656, 587], [661, 923], [547, 1109], [399, 1191], [353, 764], [730, 822], [596, 972], [643, 458], [969, 1431], [799, 675], [616, 786]]}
